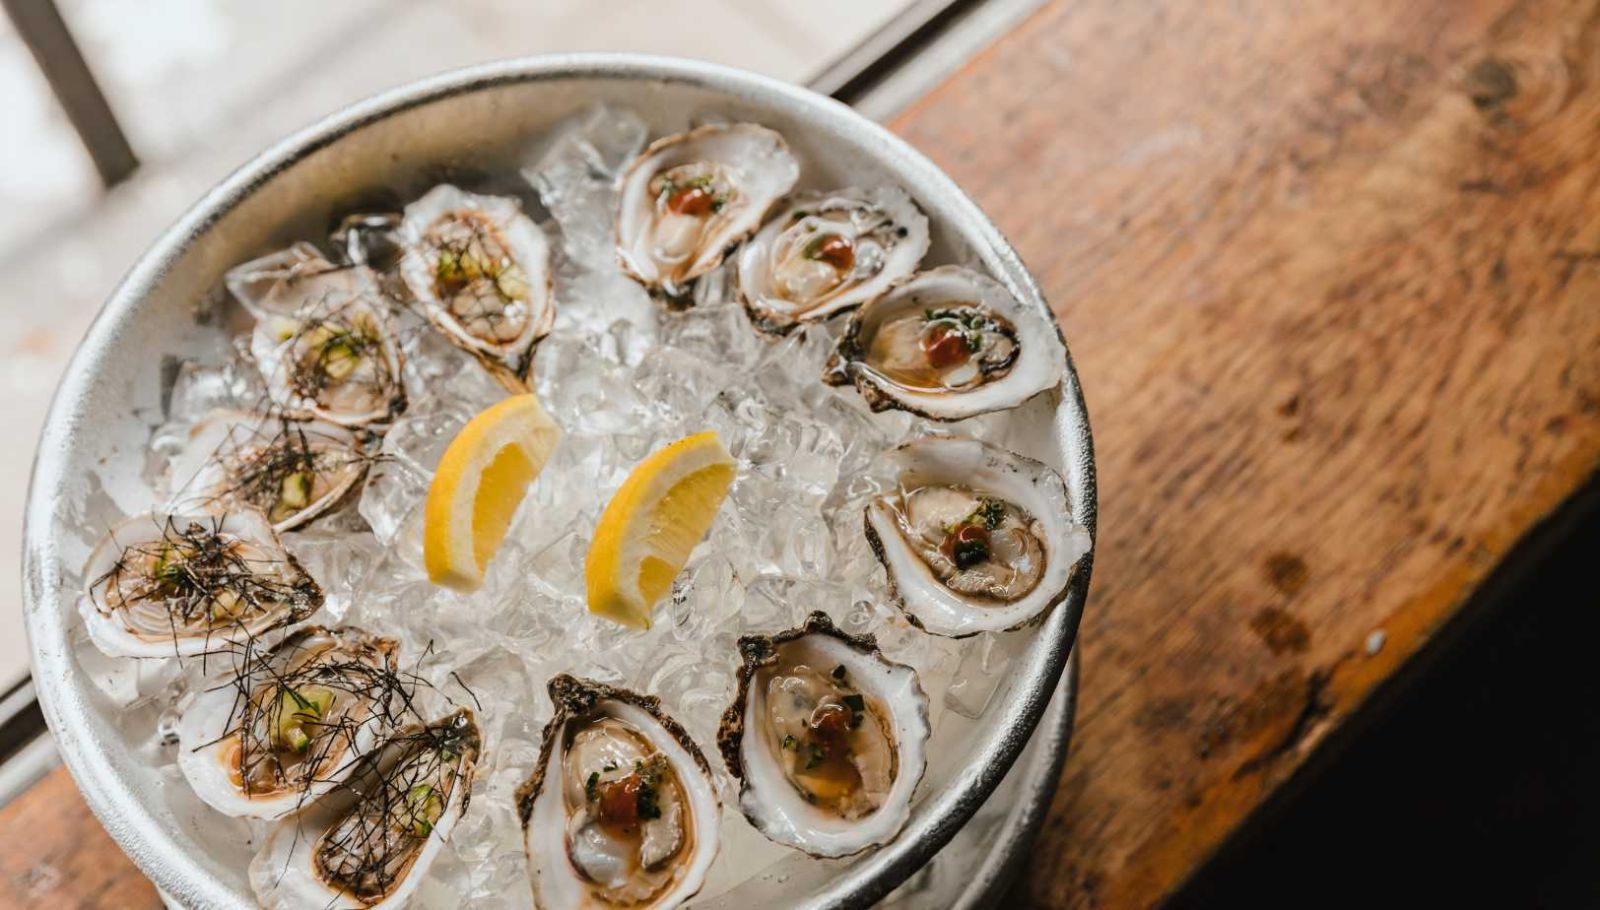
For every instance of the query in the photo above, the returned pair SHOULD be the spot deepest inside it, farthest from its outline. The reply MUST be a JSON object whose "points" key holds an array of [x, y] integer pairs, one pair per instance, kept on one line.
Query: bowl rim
{"points": [[48, 609]]}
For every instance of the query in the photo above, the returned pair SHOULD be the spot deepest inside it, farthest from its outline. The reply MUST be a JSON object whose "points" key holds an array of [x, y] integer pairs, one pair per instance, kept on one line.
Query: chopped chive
{"points": [[815, 757]]}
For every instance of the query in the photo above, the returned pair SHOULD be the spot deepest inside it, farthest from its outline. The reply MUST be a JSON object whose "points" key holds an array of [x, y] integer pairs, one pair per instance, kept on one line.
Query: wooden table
{"points": [[1331, 274], [56, 855]]}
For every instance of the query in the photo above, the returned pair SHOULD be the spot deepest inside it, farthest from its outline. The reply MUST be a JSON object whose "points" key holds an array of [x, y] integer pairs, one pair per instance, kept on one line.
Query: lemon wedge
{"points": [[652, 524], [479, 483]]}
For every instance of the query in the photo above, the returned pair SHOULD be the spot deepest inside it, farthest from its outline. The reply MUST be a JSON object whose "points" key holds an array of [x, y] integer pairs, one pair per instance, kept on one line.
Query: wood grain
{"points": [[1331, 275], [57, 855]]}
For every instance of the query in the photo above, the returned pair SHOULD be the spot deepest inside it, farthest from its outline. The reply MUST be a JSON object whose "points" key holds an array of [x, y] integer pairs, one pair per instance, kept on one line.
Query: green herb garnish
{"points": [[649, 803], [814, 756], [990, 513]]}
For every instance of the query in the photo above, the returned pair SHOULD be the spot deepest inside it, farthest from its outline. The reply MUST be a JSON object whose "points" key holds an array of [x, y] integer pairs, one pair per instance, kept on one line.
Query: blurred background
{"points": [[196, 87]]}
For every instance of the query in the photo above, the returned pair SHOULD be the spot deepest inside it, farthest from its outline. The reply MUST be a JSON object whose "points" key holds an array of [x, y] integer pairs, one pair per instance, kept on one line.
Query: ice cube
{"points": [[576, 177], [977, 676], [721, 334]]}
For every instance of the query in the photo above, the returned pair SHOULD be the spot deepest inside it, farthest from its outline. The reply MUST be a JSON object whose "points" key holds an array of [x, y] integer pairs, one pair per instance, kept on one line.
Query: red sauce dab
{"points": [[619, 800], [945, 348], [831, 722], [835, 251], [691, 200]]}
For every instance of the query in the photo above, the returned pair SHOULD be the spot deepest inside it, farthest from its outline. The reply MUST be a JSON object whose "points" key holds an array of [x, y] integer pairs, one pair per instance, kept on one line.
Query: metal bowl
{"points": [[93, 443]]}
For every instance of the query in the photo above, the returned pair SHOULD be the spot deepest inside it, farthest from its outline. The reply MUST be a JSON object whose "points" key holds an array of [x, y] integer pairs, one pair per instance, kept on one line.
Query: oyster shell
{"points": [[689, 198], [946, 344], [291, 471], [162, 585], [827, 252], [369, 842], [621, 809], [828, 738], [275, 284], [289, 724], [323, 339], [974, 538], [480, 269]]}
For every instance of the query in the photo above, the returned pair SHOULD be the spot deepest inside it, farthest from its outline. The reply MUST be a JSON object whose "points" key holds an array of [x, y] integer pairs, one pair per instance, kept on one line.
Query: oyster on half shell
{"points": [[480, 270], [290, 722], [369, 842], [162, 585], [947, 344], [824, 253], [828, 738], [689, 198], [621, 810], [974, 538], [323, 341], [292, 471]]}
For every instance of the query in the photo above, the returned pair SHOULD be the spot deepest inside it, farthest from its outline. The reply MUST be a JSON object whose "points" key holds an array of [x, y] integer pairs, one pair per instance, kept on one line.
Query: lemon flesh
{"points": [[480, 481], [652, 524]]}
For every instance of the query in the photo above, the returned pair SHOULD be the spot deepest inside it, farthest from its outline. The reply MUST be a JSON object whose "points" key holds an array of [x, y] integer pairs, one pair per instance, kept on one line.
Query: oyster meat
{"points": [[827, 252], [369, 842], [291, 471], [947, 344], [621, 810], [164, 585], [828, 738], [290, 723], [480, 270], [323, 339], [974, 538], [688, 199]]}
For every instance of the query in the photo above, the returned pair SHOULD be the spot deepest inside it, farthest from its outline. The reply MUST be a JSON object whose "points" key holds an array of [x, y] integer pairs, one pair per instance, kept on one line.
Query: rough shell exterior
{"points": [[576, 698], [757, 651]]}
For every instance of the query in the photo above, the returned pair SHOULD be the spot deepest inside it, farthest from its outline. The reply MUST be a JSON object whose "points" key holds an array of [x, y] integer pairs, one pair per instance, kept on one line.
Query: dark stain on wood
{"points": [[1490, 83], [1314, 705], [1271, 700], [1282, 632], [1287, 572], [1171, 713]]}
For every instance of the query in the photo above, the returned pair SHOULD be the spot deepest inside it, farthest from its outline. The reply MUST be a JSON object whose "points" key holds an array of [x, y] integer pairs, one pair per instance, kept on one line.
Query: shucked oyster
{"points": [[323, 342], [369, 842], [828, 738], [174, 585], [480, 269], [827, 252], [292, 471], [688, 199], [947, 343], [620, 810], [289, 724], [974, 538]]}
